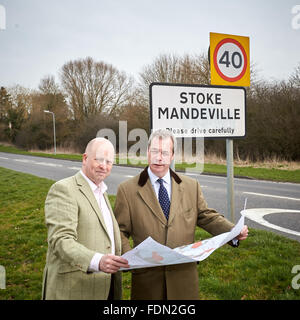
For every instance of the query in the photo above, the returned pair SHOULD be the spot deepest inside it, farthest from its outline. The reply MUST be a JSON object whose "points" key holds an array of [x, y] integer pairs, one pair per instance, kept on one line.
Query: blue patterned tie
{"points": [[163, 198]]}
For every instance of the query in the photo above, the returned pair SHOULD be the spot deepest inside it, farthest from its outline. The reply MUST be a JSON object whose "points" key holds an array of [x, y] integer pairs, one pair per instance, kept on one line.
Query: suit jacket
{"points": [[76, 231], [139, 215]]}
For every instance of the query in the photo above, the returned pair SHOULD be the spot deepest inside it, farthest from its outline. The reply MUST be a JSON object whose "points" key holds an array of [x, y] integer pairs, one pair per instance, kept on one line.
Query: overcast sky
{"points": [[41, 35]]}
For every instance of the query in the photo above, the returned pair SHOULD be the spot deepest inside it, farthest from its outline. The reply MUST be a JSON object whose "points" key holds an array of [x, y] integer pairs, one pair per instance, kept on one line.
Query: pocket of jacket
{"points": [[65, 268]]}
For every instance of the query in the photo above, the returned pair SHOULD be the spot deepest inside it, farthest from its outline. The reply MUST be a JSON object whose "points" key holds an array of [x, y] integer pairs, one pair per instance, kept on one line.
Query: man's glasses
{"points": [[156, 152], [104, 161]]}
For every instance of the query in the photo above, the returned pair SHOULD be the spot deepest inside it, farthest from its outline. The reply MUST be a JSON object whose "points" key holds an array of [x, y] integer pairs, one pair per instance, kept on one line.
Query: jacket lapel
{"points": [[176, 200], [88, 193], [148, 195]]}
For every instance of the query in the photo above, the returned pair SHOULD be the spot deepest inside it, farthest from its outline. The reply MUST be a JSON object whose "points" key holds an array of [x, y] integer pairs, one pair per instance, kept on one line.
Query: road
{"points": [[259, 194]]}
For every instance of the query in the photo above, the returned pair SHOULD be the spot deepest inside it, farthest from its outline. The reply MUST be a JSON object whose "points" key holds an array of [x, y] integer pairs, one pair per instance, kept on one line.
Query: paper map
{"points": [[150, 253]]}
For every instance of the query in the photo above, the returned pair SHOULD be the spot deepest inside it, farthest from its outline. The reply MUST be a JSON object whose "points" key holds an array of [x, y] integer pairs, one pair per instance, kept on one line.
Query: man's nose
{"points": [[159, 156], [102, 164]]}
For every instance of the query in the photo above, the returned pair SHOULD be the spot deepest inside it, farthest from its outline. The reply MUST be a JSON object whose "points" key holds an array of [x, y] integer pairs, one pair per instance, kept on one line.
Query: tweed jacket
{"points": [[76, 231]]}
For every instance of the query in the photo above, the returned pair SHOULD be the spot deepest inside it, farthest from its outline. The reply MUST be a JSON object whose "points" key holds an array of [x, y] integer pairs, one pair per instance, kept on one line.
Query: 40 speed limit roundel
{"points": [[229, 56]]}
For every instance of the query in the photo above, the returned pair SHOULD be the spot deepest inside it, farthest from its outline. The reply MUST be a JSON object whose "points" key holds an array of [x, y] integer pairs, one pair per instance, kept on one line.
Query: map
{"points": [[150, 253]]}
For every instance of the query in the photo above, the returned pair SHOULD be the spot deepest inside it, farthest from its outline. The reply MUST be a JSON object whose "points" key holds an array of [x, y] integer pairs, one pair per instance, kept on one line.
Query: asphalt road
{"points": [[259, 194]]}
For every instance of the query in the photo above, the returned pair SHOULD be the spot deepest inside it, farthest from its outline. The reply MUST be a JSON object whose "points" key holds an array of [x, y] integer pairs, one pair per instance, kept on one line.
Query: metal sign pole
{"points": [[230, 187], [54, 133]]}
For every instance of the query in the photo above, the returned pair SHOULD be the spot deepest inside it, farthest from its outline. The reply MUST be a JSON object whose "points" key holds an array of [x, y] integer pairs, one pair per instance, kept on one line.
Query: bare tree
{"points": [[94, 87], [295, 77], [188, 69], [48, 85], [195, 69], [17, 110], [165, 68]]}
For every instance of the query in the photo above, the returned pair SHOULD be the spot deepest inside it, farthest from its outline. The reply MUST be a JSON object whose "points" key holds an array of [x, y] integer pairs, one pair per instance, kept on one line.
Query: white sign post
{"points": [[201, 111]]}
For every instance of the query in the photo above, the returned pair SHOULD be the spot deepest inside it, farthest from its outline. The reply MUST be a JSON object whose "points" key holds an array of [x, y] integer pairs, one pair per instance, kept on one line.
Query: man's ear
{"points": [[84, 157]]}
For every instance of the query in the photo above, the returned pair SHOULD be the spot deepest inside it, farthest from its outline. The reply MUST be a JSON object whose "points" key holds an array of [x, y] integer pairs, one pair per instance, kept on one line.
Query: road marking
{"points": [[49, 164], [23, 160], [74, 168], [272, 196], [257, 215], [128, 176], [4, 158]]}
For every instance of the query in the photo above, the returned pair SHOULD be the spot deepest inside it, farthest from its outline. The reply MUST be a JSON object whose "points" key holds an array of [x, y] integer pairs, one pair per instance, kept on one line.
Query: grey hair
{"points": [[163, 134]]}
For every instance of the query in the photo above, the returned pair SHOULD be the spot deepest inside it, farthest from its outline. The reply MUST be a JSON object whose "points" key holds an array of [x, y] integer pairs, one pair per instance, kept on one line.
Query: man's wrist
{"points": [[95, 262]]}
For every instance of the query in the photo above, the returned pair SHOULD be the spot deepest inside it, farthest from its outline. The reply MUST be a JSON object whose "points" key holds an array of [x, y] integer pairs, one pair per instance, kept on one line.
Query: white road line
{"points": [[257, 215], [23, 160], [4, 158], [74, 168], [128, 176], [48, 164], [271, 195]]}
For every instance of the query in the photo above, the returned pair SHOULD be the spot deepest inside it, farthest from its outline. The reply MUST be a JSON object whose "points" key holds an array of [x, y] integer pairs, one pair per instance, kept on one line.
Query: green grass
{"points": [[23, 233], [259, 269], [63, 156], [250, 172], [257, 173]]}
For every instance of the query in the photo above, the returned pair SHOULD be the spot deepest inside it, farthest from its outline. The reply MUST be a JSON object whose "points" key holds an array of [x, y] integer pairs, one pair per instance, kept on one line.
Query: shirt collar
{"points": [[153, 177], [102, 186]]}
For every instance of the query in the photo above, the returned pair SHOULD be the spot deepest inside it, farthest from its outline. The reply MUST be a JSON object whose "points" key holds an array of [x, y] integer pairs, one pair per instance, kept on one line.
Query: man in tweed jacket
{"points": [[84, 241]]}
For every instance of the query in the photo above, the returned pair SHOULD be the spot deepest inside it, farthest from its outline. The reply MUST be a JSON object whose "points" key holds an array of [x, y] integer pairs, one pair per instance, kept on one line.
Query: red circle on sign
{"points": [[216, 64]]}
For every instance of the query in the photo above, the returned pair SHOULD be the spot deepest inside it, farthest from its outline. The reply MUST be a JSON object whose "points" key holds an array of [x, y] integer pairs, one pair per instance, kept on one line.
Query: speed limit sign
{"points": [[229, 60]]}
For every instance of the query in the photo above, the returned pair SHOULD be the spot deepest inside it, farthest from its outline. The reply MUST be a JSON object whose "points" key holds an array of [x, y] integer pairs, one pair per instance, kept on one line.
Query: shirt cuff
{"points": [[235, 242], [94, 265]]}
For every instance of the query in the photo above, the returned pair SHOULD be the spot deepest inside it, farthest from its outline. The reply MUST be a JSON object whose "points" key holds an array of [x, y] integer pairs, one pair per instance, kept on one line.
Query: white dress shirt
{"points": [[98, 192], [166, 181]]}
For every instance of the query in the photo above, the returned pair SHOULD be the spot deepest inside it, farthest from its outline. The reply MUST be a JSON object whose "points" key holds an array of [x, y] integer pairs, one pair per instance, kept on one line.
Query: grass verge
{"points": [[259, 269], [272, 174]]}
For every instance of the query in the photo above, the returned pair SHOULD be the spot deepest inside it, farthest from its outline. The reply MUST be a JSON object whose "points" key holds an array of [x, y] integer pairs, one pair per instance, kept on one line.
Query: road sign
{"points": [[198, 110], [229, 60]]}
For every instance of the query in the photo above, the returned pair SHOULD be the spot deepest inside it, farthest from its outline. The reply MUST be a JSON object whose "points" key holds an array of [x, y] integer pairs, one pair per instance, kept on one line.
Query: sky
{"points": [[40, 36]]}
